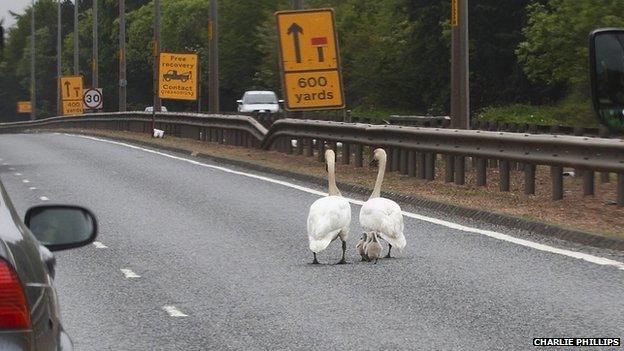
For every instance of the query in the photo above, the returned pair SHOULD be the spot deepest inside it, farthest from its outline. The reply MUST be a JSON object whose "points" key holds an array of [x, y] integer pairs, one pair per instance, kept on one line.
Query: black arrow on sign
{"points": [[295, 29], [67, 85]]}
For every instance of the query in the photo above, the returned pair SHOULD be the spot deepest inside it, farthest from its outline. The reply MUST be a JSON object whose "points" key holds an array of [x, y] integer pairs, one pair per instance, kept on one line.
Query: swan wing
{"points": [[384, 216]]}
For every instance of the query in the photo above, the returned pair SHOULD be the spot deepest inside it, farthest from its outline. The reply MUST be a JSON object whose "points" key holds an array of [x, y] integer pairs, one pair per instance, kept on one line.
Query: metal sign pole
{"points": [[122, 56], [76, 40], [59, 107], [297, 5], [33, 90], [94, 81], [156, 48], [213, 78], [460, 93]]}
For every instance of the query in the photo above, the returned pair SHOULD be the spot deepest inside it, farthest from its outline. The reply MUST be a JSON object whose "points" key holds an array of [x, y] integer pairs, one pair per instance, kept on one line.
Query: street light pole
{"points": [[76, 39], [213, 53], [33, 90], [94, 79], [460, 91], [59, 107], [122, 56]]}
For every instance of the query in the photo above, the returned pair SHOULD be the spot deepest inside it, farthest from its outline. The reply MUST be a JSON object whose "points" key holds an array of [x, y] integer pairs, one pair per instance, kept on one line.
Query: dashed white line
{"points": [[25, 181], [18, 174], [99, 245], [128, 273], [174, 312], [489, 233], [32, 188], [44, 198]]}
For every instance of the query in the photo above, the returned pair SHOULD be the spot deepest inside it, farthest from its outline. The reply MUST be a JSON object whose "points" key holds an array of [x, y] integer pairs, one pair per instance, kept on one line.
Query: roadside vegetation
{"points": [[528, 58]]}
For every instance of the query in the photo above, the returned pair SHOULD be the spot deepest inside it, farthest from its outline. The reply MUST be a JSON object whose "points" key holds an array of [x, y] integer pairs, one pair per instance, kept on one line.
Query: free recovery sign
{"points": [[177, 77], [310, 60]]}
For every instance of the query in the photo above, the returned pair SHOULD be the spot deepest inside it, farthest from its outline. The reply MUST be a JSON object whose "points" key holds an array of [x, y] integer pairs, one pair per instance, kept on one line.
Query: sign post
{"points": [[177, 76], [309, 60], [72, 94]]}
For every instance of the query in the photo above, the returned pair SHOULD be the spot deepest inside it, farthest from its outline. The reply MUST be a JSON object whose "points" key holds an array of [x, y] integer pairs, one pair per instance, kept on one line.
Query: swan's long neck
{"points": [[380, 176], [331, 177]]}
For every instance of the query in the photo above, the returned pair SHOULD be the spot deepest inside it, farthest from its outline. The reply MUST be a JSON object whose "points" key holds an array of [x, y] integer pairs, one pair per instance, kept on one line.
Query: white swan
{"points": [[330, 216], [381, 215]]}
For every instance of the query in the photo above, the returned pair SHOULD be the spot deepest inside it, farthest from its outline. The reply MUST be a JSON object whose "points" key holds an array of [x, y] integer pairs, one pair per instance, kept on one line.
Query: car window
{"points": [[259, 99]]}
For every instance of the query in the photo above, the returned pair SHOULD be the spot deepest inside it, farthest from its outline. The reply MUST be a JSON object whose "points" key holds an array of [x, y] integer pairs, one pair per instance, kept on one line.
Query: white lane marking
{"points": [[32, 188], [99, 245], [174, 312], [44, 198], [25, 181], [11, 169], [128, 273], [5, 164], [489, 233], [18, 174]]}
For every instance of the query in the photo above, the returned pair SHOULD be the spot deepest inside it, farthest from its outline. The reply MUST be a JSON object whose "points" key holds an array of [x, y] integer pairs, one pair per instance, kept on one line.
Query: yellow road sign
{"points": [[71, 88], [313, 90], [72, 107], [310, 59], [307, 40], [23, 107], [177, 76]]}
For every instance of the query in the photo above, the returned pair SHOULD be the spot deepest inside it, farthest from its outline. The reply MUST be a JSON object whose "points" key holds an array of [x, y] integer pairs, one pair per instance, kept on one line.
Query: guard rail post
{"points": [[556, 174], [529, 179], [503, 171], [449, 168]]}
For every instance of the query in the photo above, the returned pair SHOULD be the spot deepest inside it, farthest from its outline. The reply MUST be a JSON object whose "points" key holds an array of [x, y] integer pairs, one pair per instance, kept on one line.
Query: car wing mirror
{"points": [[606, 60], [61, 227]]}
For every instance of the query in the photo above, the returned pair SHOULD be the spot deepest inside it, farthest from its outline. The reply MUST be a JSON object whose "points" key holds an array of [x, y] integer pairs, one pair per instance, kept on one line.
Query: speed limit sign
{"points": [[92, 99]]}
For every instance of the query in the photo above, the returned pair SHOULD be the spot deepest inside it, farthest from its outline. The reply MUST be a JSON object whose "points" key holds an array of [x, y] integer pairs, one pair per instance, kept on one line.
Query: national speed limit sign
{"points": [[92, 99]]}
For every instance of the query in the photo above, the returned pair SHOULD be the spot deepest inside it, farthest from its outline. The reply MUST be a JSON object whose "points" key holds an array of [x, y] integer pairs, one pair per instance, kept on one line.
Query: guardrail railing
{"points": [[412, 151]]}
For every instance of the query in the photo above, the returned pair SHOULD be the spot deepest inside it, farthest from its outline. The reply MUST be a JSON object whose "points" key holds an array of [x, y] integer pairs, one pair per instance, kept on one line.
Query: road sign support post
{"points": [[76, 40], [297, 5], [460, 94], [122, 56], [33, 90], [213, 78], [156, 51], [59, 107], [95, 64]]}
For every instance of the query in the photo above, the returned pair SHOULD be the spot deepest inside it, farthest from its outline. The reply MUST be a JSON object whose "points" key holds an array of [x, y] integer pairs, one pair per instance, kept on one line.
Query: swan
{"points": [[373, 249], [380, 215], [329, 217]]}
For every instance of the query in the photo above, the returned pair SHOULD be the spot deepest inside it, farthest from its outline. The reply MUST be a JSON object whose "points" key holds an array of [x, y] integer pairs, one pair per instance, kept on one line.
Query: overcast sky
{"points": [[17, 6]]}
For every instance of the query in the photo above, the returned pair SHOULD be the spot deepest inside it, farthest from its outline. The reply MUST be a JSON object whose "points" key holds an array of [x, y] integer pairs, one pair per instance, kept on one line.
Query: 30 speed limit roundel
{"points": [[92, 98]]}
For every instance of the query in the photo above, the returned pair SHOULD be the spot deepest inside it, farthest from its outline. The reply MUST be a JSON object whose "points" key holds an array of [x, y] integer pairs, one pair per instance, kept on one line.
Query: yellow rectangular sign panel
{"points": [[307, 40], [313, 90], [177, 76], [23, 107], [71, 88], [72, 107]]}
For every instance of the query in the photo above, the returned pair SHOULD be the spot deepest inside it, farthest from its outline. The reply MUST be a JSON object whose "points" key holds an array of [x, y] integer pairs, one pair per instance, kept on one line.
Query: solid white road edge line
{"points": [[489, 233], [128, 273], [99, 245], [174, 312]]}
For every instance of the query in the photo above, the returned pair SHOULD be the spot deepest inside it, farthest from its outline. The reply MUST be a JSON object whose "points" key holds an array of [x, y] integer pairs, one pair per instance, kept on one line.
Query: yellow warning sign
{"points": [[23, 107], [177, 76], [71, 87], [310, 59], [312, 90], [72, 107]]}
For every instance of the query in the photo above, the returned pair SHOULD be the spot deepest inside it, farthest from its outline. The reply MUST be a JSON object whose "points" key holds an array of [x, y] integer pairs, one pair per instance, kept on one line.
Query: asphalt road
{"points": [[222, 263]]}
